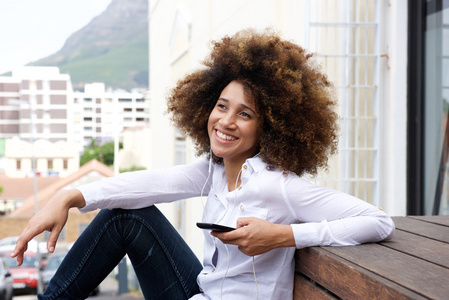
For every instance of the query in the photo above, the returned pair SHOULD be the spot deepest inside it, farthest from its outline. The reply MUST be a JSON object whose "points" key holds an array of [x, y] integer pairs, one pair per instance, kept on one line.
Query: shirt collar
{"points": [[256, 163]]}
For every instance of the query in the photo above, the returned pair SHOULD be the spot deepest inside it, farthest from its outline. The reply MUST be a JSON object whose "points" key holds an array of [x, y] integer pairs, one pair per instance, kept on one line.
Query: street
{"points": [[108, 290]]}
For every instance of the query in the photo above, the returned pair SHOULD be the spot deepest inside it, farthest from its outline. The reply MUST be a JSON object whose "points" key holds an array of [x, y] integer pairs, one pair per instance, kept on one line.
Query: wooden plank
{"points": [[425, 278], [427, 249], [306, 289], [420, 227], [345, 279], [442, 220]]}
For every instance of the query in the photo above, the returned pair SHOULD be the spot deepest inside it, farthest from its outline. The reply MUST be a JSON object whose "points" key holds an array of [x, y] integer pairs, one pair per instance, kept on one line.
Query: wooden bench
{"points": [[414, 265]]}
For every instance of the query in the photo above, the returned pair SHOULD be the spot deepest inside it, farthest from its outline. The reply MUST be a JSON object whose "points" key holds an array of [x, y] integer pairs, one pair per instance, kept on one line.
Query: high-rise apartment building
{"points": [[43, 99], [36, 97], [101, 115]]}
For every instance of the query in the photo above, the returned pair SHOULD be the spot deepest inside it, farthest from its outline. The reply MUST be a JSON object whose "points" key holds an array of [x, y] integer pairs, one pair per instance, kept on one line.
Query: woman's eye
{"points": [[246, 115], [221, 106]]}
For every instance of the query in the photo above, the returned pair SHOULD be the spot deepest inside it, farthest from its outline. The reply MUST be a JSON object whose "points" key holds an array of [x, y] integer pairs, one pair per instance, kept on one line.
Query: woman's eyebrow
{"points": [[242, 105]]}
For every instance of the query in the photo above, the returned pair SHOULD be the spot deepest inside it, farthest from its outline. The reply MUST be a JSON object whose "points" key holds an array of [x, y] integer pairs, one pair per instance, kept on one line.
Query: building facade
{"points": [[38, 103], [34, 104], [361, 45], [102, 115], [52, 159]]}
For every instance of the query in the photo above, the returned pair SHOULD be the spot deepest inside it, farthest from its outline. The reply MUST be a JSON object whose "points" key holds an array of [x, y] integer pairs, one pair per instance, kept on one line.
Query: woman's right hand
{"points": [[52, 217]]}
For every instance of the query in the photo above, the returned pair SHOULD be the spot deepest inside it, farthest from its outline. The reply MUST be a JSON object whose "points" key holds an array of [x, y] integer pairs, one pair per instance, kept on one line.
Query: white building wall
{"points": [[60, 158], [136, 148], [180, 32], [393, 169]]}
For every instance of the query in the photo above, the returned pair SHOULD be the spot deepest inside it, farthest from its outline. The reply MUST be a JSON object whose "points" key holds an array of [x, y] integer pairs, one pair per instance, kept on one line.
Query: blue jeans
{"points": [[165, 266]]}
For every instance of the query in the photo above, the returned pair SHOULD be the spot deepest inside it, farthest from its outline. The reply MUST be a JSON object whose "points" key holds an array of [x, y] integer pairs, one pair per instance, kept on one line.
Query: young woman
{"points": [[263, 114]]}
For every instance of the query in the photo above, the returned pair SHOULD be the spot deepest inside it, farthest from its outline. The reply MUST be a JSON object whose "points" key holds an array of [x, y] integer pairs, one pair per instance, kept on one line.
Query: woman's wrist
{"points": [[72, 198], [284, 236]]}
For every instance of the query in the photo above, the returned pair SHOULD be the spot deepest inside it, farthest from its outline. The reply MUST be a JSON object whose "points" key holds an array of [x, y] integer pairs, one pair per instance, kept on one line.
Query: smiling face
{"points": [[233, 126]]}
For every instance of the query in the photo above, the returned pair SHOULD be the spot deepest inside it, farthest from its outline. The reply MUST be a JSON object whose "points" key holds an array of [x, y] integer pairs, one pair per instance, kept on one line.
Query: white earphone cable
{"points": [[214, 239]]}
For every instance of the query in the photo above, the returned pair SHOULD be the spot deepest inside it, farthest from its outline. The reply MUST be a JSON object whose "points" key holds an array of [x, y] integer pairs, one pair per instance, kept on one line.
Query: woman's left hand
{"points": [[255, 236]]}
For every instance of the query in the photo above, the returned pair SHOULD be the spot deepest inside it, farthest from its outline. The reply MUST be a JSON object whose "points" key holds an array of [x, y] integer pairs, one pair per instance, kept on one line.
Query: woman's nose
{"points": [[227, 120]]}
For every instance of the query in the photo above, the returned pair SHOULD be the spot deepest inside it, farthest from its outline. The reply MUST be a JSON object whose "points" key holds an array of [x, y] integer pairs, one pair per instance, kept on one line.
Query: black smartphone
{"points": [[214, 227]]}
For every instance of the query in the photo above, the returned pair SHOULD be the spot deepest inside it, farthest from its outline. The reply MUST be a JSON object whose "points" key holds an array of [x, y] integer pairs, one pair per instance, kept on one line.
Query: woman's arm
{"points": [[128, 190], [327, 217], [139, 189]]}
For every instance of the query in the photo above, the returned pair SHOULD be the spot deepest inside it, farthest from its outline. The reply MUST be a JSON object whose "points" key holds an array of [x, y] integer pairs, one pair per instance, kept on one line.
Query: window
{"points": [[87, 99], [428, 113], [345, 36], [50, 164], [18, 165], [87, 119], [127, 109], [125, 100], [65, 164]]}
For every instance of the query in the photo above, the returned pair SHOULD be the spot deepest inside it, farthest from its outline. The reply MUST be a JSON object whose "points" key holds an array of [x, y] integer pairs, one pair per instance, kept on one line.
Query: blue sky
{"points": [[33, 29]]}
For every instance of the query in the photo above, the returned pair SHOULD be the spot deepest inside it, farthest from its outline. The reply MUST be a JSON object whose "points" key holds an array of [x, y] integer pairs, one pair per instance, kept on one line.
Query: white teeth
{"points": [[224, 136]]}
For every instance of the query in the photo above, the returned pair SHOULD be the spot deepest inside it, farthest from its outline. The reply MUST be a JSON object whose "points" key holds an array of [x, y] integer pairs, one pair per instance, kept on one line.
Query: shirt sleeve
{"points": [[133, 190], [331, 218]]}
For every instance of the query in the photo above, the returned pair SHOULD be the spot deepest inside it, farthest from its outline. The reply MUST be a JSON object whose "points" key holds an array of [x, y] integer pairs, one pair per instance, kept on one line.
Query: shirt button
{"points": [[213, 270], [241, 207], [240, 188], [245, 167]]}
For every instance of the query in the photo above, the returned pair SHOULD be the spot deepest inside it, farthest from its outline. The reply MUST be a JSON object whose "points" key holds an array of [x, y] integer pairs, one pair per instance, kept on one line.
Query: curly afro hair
{"points": [[290, 92]]}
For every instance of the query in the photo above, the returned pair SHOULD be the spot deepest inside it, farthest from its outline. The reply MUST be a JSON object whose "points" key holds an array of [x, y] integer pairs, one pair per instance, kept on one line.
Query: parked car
{"points": [[6, 290], [8, 244], [52, 265], [24, 278]]}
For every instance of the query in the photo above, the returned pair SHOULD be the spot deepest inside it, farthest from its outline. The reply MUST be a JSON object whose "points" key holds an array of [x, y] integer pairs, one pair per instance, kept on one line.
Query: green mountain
{"points": [[112, 48]]}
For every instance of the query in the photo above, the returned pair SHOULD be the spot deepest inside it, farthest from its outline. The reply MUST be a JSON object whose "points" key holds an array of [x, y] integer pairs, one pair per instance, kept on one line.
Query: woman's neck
{"points": [[232, 170]]}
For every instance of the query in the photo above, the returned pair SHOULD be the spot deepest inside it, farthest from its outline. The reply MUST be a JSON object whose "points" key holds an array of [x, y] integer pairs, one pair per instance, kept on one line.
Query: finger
{"points": [[242, 222], [19, 255], [21, 245], [19, 259], [51, 243], [231, 237], [28, 233]]}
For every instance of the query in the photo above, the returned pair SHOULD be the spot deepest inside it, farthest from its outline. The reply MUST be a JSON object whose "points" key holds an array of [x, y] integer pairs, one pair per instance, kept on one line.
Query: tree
{"points": [[103, 153], [132, 168]]}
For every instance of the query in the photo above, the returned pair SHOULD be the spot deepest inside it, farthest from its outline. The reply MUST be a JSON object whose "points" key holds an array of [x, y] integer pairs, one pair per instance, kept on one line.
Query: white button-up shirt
{"points": [[319, 216]]}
